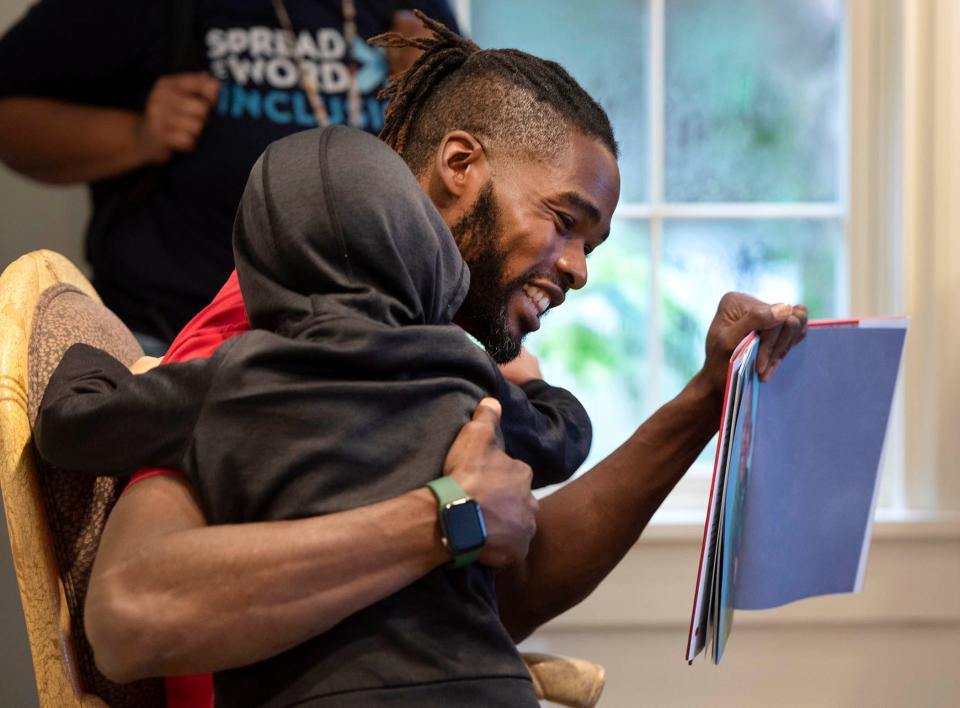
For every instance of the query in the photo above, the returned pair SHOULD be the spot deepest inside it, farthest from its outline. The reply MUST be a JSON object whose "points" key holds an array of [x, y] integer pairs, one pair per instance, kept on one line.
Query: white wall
{"points": [[893, 645], [34, 216]]}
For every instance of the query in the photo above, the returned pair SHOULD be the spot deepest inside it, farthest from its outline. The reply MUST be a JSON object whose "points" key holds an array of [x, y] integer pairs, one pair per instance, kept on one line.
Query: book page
{"points": [[819, 433]]}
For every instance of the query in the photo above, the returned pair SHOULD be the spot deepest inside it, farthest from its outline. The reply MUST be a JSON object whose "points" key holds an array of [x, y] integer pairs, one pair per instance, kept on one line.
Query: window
{"points": [[730, 115]]}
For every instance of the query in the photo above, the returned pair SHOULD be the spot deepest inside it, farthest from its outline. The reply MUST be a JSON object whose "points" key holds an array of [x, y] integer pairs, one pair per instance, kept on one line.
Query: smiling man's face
{"points": [[526, 239]]}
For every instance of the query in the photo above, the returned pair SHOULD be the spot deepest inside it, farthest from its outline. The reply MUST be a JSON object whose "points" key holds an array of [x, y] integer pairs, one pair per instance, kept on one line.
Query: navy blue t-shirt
{"points": [[159, 240]]}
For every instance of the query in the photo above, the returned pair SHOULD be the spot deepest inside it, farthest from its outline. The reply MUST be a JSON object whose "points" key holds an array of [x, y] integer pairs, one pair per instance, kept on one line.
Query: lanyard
{"points": [[308, 79]]}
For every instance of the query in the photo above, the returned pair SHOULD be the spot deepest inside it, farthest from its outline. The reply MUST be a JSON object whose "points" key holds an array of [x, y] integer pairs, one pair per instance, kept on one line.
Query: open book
{"points": [[796, 474]]}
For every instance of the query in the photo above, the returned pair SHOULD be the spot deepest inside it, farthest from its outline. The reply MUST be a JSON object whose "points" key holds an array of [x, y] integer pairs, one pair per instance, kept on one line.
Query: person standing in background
{"points": [[163, 107]]}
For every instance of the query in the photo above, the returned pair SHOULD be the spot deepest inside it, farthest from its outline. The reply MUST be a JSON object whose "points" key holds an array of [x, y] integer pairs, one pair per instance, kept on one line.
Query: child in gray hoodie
{"points": [[349, 390]]}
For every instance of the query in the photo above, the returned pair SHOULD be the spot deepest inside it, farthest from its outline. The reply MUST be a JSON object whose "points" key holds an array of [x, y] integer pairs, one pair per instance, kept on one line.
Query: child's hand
{"points": [[144, 364], [522, 369]]}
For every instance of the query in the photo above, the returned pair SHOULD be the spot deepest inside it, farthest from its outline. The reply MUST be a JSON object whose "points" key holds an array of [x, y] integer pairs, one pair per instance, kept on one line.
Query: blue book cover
{"points": [[794, 491]]}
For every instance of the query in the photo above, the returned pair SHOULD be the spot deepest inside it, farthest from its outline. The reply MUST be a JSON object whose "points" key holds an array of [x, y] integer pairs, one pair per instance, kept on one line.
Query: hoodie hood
{"points": [[332, 223]]}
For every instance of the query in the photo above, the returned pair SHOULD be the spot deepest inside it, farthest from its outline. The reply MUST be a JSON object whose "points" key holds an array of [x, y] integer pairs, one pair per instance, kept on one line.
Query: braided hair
{"points": [[513, 102]]}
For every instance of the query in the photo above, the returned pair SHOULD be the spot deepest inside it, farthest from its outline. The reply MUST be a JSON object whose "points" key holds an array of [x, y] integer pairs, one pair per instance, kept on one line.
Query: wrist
{"points": [[146, 150], [462, 527], [706, 393], [425, 511]]}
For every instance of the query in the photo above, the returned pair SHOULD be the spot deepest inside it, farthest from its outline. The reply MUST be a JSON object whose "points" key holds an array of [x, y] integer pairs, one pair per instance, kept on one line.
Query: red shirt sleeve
{"points": [[223, 318]]}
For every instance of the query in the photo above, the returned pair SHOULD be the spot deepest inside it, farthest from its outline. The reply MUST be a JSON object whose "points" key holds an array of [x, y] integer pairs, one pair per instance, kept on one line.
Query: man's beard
{"points": [[484, 311]]}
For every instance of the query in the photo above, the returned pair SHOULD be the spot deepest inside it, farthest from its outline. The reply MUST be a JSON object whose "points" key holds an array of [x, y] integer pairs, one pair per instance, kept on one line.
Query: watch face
{"points": [[464, 526]]}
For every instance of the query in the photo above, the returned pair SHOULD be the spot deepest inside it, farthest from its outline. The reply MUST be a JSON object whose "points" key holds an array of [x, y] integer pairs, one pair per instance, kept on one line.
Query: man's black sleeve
{"points": [[546, 427], [97, 417], [94, 51]]}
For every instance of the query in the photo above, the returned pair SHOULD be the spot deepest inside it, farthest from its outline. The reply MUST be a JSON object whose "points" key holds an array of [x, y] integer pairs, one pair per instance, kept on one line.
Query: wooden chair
{"points": [[570, 682], [55, 518]]}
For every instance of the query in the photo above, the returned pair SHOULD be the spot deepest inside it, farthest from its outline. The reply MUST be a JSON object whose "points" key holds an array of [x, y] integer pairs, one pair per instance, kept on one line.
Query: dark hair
{"points": [[512, 101]]}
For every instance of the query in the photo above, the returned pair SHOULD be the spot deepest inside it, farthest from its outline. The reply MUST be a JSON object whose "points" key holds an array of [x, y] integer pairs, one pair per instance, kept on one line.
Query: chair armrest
{"points": [[570, 682]]}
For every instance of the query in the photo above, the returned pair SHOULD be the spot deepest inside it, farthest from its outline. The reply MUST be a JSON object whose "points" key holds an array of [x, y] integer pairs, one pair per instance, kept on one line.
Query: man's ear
{"points": [[460, 170]]}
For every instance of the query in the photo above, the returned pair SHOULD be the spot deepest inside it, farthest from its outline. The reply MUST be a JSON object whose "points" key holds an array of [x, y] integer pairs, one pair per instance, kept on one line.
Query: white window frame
{"points": [[693, 490], [657, 211], [926, 191], [899, 204]]}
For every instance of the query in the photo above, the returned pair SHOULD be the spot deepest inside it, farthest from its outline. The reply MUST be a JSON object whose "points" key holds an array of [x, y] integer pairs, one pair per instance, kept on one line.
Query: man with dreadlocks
{"points": [[521, 165]]}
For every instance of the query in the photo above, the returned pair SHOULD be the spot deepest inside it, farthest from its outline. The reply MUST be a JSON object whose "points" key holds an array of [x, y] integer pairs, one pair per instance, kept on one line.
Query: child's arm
{"points": [[96, 416], [546, 427]]}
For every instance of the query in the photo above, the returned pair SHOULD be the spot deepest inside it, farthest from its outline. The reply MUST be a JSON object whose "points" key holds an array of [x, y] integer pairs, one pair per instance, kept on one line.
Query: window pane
{"points": [[602, 44], [753, 99], [596, 343], [775, 260]]}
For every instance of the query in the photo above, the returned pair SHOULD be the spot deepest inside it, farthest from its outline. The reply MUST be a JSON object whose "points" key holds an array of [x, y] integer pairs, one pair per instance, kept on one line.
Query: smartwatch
{"points": [[461, 521]]}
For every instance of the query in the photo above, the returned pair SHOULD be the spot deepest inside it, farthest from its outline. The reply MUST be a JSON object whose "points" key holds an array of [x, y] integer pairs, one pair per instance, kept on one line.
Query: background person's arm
{"points": [[585, 528], [60, 142], [65, 67], [170, 595]]}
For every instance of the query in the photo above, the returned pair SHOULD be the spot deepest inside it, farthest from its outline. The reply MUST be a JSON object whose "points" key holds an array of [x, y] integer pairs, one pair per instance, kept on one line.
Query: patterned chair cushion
{"points": [[77, 505]]}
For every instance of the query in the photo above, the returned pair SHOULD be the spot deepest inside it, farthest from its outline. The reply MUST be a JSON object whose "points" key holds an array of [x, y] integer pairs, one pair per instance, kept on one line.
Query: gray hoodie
{"points": [[349, 390]]}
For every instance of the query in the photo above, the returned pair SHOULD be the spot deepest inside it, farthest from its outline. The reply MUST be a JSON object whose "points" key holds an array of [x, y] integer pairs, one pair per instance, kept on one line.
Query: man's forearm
{"points": [[62, 143], [171, 595], [584, 529], [192, 598]]}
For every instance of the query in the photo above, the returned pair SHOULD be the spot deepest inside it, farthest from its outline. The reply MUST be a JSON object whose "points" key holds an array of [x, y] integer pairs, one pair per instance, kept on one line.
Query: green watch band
{"points": [[462, 527]]}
